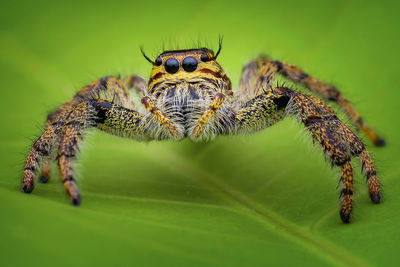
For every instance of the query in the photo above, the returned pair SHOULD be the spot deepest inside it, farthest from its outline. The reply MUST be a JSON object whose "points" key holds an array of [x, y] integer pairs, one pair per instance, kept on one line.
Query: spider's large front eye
{"points": [[189, 64], [171, 65]]}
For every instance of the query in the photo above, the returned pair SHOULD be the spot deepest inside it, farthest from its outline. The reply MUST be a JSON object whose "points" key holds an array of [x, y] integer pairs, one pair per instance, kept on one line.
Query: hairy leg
{"points": [[208, 115], [140, 86], [100, 113], [41, 152], [248, 87], [333, 135], [137, 83], [260, 73], [329, 92], [172, 129]]}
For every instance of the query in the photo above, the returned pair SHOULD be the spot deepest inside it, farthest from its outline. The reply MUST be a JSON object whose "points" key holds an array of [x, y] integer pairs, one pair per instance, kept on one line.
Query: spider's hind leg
{"points": [[328, 92], [138, 83], [256, 76]]}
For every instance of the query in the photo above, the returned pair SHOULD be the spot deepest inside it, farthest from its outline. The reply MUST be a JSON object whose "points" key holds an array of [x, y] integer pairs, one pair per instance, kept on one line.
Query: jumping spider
{"points": [[189, 95]]}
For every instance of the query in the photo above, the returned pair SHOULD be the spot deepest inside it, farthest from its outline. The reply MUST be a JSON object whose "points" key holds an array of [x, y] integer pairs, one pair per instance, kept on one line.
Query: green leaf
{"points": [[263, 199]]}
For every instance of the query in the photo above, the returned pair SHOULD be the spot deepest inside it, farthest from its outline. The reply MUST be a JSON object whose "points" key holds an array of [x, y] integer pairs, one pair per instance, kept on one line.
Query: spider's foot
{"points": [[27, 188], [76, 200], [347, 207], [72, 192], [380, 142], [345, 216], [376, 198], [28, 183], [44, 179]]}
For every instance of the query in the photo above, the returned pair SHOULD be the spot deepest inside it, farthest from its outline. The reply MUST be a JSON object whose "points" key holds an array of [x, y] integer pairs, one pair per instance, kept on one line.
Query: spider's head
{"points": [[191, 65]]}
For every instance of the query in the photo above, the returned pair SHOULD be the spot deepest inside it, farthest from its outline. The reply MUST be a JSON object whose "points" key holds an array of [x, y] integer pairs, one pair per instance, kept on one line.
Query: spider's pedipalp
{"points": [[208, 115]]}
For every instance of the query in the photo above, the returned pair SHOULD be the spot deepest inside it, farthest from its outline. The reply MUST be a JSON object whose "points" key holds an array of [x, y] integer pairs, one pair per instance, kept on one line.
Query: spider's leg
{"points": [[328, 92], [46, 169], [41, 152], [357, 148], [333, 135], [163, 119], [208, 115], [100, 113], [137, 83], [41, 149], [249, 85]]}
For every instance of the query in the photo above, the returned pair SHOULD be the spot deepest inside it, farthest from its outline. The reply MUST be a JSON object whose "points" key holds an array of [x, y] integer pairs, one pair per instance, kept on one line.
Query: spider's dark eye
{"points": [[171, 65], [189, 64], [204, 57], [158, 61]]}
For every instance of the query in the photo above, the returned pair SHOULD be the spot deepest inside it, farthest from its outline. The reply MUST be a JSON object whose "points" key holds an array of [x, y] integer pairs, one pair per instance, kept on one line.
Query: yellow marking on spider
{"points": [[160, 116], [207, 116]]}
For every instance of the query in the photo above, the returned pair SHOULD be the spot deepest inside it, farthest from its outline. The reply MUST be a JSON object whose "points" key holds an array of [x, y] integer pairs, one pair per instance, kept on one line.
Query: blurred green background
{"points": [[265, 199]]}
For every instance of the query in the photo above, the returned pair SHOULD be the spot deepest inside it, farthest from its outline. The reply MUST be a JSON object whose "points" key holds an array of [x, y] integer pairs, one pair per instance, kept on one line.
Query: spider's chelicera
{"points": [[190, 95]]}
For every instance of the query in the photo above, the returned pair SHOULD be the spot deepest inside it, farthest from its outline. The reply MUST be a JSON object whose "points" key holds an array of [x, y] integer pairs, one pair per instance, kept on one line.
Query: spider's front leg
{"points": [[333, 135], [100, 113], [54, 134]]}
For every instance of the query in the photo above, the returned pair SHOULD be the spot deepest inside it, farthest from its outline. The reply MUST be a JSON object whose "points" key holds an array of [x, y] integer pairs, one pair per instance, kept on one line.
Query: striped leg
{"points": [[162, 118], [46, 169], [356, 147], [332, 134], [100, 113], [40, 149], [41, 152], [207, 115], [249, 85], [328, 92], [137, 83]]}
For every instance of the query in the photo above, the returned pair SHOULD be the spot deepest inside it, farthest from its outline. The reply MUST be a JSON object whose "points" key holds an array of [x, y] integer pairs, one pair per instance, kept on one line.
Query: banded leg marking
{"points": [[44, 145], [333, 135], [208, 114], [161, 117], [328, 92]]}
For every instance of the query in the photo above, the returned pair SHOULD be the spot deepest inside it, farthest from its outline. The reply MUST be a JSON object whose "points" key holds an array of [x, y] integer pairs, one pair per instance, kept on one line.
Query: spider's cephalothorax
{"points": [[189, 86], [189, 95]]}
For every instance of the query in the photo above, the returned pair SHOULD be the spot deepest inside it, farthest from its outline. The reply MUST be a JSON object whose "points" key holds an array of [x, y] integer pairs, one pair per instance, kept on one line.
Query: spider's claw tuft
{"points": [[44, 179], [345, 217], [28, 188], [380, 142], [376, 198], [76, 201]]}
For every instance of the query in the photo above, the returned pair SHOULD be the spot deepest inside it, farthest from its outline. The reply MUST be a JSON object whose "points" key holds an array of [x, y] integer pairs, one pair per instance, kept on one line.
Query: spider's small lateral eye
{"points": [[171, 65], [204, 57], [189, 64], [158, 61]]}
